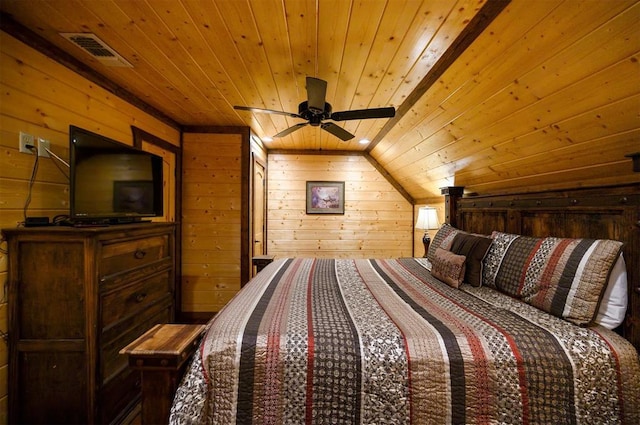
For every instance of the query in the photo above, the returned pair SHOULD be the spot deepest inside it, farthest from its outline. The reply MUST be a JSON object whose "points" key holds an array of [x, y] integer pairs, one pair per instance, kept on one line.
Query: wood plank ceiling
{"points": [[547, 96]]}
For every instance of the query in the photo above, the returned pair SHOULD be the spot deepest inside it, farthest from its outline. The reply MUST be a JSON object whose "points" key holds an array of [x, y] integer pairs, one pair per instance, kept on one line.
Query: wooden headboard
{"points": [[597, 213]]}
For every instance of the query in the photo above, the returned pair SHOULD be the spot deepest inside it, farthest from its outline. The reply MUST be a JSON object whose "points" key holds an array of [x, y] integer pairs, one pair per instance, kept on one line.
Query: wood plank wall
{"points": [[377, 223], [42, 98], [211, 220]]}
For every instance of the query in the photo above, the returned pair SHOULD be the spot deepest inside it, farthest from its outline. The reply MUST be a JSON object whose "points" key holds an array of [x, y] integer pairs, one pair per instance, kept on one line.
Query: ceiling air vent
{"points": [[97, 48]]}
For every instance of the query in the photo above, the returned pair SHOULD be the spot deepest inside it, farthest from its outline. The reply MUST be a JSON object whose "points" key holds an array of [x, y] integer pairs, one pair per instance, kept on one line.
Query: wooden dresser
{"points": [[76, 297]]}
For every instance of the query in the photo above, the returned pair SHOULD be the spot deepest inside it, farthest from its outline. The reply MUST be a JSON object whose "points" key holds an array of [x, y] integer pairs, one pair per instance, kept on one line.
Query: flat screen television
{"points": [[110, 182]]}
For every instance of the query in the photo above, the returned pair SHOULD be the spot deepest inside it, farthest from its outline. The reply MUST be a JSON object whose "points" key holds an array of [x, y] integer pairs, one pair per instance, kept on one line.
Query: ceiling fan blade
{"points": [[363, 114], [291, 129], [316, 93], [337, 131], [267, 111]]}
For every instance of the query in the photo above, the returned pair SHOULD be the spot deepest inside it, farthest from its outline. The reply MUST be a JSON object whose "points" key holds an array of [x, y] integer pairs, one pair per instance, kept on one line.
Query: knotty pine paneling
{"points": [[212, 214], [562, 84], [195, 59], [485, 91], [377, 223], [42, 98]]}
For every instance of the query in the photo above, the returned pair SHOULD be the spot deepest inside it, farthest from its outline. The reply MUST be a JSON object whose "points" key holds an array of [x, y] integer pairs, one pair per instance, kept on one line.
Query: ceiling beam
{"points": [[489, 11]]}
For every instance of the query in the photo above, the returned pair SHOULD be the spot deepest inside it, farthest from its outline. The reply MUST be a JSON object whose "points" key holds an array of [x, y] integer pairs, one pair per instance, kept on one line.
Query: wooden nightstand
{"points": [[261, 261], [161, 355]]}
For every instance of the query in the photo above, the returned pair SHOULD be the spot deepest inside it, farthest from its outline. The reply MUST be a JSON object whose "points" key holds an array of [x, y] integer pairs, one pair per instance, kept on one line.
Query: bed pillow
{"points": [[442, 239], [474, 248], [448, 267], [613, 306], [564, 277]]}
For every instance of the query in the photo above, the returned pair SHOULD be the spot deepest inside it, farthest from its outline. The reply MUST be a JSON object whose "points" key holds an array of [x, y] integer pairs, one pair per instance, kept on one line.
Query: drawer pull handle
{"points": [[139, 254], [140, 297]]}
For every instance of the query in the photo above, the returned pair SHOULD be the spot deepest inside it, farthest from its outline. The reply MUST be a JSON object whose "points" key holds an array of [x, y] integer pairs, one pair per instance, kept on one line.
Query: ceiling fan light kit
{"points": [[315, 110]]}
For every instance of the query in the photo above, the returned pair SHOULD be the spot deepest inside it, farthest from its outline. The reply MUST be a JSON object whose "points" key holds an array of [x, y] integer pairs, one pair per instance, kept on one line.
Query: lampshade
{"points": [[427, 219]]}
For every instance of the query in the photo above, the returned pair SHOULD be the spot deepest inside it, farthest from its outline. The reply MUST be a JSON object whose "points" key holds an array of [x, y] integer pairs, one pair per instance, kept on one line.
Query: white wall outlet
{"points": [[26, 139], [43, 145]]}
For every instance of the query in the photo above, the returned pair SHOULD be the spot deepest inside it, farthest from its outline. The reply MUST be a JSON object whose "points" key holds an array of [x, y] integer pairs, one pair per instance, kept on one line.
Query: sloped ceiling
{"points": [[496, 96]]}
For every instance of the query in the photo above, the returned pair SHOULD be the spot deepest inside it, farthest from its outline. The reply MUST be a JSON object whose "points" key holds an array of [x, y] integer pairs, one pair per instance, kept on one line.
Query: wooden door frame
{"points": [[245, 170], [256, 160], [139, 136]]}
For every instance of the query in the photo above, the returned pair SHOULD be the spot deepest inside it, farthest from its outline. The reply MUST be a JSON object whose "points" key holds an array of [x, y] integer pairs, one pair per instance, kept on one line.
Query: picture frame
{"points": [[325, 197]]}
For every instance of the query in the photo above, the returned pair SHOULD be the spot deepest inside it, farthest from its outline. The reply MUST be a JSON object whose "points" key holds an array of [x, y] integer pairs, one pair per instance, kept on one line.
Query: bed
{"points": [[413, 340]]}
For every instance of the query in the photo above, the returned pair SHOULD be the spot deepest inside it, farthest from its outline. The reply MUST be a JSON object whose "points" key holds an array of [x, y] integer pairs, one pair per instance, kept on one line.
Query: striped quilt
{"points": [[323, 341]]}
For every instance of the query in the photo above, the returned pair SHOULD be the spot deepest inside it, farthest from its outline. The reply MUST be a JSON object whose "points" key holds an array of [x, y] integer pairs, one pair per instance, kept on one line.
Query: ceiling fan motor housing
{"points": [[315, 110], [314, 115]]}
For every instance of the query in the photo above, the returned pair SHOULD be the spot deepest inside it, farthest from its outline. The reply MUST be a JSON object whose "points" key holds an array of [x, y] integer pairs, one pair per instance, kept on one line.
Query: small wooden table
{"points": [[261, 261], [161, 355]]}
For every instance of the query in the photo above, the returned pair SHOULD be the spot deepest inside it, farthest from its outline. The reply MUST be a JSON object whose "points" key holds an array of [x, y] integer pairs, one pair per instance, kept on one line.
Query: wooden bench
{"points": [[161, 355]]}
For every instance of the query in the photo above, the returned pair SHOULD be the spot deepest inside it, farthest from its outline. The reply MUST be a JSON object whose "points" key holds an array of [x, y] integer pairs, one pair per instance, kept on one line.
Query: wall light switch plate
{"points": [[43, 145]]}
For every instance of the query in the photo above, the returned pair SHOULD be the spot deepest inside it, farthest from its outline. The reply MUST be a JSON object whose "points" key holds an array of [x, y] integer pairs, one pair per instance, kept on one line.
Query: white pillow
{"points": [[615, 299]]}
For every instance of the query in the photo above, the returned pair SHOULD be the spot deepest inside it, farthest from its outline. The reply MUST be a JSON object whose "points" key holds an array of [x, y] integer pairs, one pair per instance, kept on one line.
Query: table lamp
{"points": [[427, 220]]}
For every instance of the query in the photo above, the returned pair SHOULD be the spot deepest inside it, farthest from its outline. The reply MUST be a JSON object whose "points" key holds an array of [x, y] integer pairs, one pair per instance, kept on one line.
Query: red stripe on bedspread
{"points": [[248, 365], [419, 344], [616, 358], [522, 375], [484, 405], [273, 365], [457, 375], [483, 402]]}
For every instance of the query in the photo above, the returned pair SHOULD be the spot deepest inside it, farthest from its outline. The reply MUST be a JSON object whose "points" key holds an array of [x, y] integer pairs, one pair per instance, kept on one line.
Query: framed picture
{"points": [[325, 197]]}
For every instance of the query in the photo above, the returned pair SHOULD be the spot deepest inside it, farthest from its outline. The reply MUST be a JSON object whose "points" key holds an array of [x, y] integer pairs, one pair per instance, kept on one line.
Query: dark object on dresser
{"points": [[76, 297]]}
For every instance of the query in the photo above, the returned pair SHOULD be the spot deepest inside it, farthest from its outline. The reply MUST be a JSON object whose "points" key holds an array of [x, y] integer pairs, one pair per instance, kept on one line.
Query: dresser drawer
{"points": [[131, 299], [121, 256], [119, 396], [127, 331]]}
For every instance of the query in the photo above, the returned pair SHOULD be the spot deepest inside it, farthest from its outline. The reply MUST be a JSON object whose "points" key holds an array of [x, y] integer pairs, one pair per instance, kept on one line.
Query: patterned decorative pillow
{"points": [[448, 267], [443, 239], [474, 248], [564, 277]]}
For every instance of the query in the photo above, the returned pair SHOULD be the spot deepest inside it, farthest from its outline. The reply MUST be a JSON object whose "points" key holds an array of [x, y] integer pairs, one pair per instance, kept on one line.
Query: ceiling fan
{"points": [[315, 110]]}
